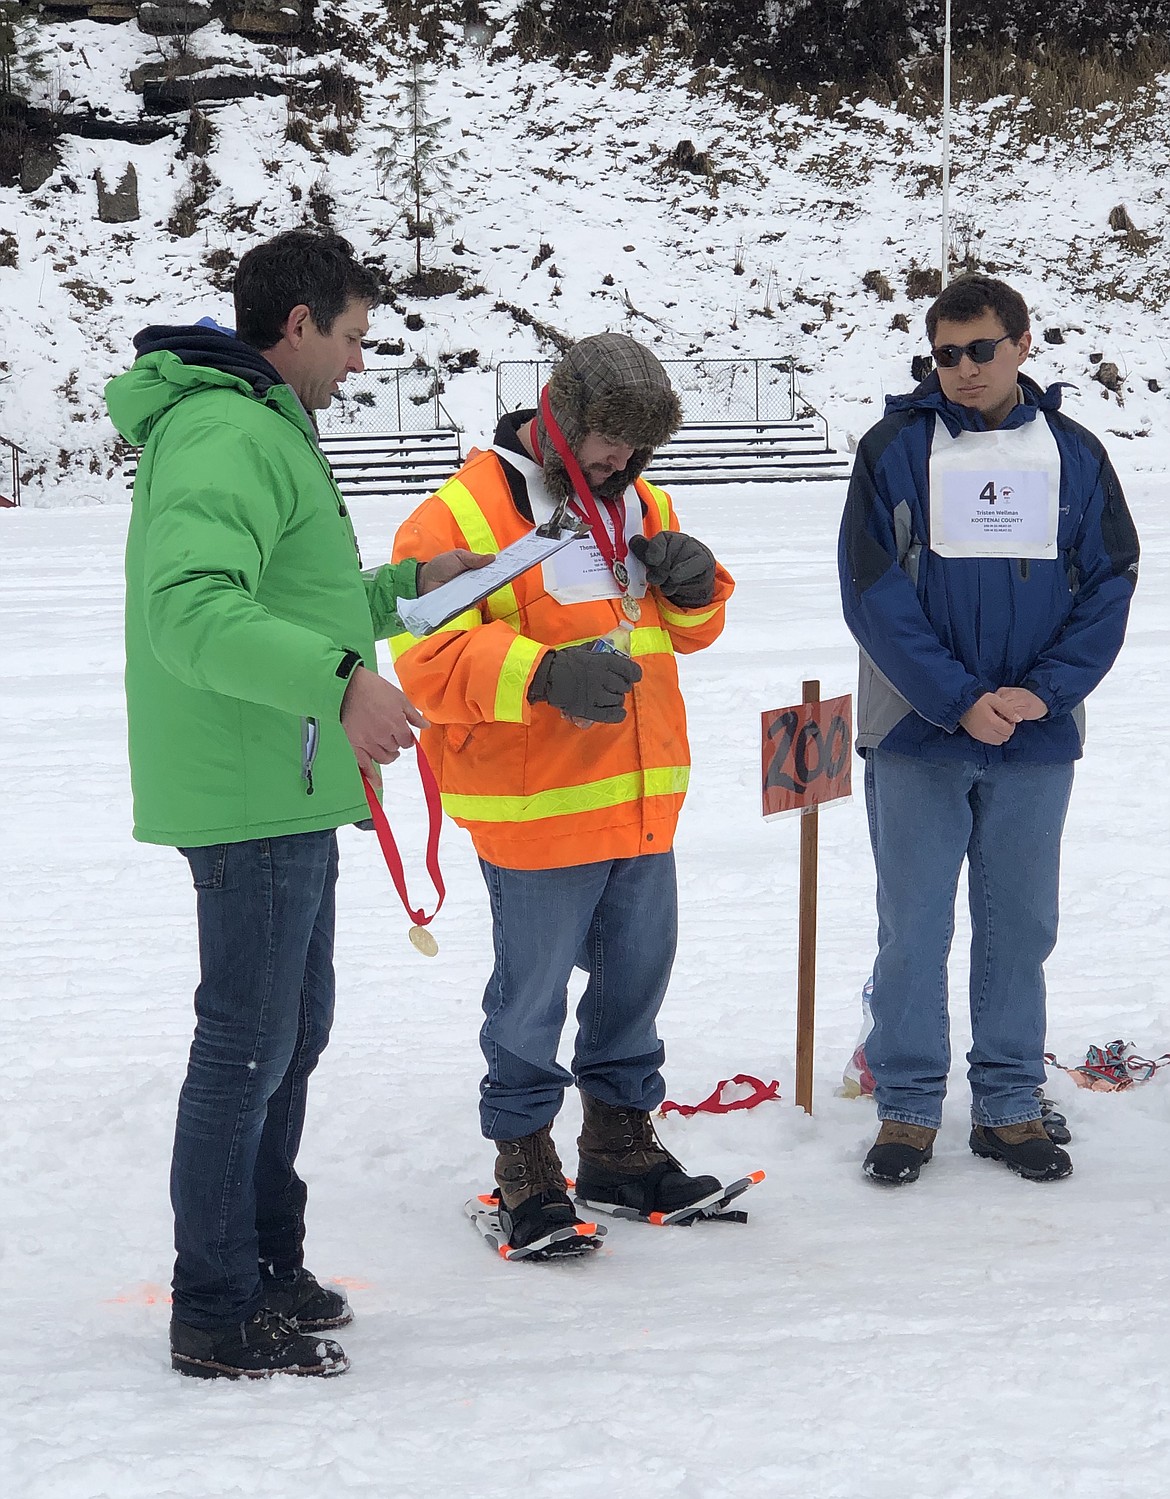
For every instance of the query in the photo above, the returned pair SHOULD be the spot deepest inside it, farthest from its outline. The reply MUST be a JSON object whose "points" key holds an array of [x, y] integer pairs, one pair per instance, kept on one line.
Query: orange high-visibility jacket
{"points": [[533, 790]]}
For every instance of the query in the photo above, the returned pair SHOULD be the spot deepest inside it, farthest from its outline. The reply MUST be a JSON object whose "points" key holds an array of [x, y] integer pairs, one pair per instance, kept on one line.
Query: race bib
{"points": [[995, 494]]}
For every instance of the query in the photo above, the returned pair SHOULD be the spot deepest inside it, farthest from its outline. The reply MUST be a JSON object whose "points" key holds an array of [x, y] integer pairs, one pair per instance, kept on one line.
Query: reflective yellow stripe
{"points": [[480, 537], [645, 641], [465, 621], [686, 621], [514, 674], [470, 519], [662, 500], [564, 801], [650, 641]]}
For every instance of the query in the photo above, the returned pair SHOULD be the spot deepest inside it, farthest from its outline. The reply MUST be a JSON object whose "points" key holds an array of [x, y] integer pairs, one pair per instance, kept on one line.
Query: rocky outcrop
{"points": [[118, 205], [268, 17], [173, 17], [181, 17], [169, 95]]}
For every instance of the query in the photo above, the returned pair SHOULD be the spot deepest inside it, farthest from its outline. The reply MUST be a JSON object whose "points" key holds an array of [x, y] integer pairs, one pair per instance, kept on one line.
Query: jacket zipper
{"points": [[310, 737]]}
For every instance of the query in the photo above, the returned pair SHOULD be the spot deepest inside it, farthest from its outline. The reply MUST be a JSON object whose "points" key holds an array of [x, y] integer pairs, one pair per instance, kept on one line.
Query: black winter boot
{"points": [[899, 1153], [624, 1164], [1026, 1149], [301, 1298], [534, 1199], [264, 1345]]}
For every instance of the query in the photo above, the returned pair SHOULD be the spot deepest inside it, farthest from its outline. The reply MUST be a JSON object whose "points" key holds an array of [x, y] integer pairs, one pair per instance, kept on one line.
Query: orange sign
{"points": [[806, 755]]}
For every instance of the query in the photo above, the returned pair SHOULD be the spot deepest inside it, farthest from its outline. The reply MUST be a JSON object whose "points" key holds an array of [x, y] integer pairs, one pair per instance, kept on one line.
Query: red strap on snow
{"points": [[715, 1104], [390, 849]]}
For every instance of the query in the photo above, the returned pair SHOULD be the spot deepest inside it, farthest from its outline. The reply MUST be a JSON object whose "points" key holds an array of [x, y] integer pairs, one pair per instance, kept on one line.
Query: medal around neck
{"points": [[423, 941], [631, 607]]}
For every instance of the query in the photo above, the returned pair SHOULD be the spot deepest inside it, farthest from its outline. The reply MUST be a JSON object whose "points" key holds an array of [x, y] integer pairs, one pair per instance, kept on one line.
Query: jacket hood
{"points": [[611, 385], [174, 362], [929, 397]]}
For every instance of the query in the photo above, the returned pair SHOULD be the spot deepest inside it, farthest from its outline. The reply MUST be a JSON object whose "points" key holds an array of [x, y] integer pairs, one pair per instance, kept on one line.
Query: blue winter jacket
{"points": [[936, 633]]}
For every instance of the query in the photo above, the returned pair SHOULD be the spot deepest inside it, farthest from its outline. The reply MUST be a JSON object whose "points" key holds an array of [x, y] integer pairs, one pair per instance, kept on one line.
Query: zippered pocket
{"points": [[310, 739]]}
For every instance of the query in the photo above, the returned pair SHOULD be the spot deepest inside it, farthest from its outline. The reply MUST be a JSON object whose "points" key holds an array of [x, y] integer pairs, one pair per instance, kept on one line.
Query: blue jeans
{"points": [[925, 817], [618, 920], [263, 1010]]}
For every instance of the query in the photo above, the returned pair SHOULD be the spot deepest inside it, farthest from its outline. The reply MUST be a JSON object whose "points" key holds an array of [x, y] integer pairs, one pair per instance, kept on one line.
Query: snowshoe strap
{"points": [[715, 1103]]}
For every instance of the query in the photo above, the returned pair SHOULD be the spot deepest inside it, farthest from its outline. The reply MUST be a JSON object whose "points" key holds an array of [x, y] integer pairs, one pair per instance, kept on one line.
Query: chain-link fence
{"points": [[710, 390], [388, 399]]}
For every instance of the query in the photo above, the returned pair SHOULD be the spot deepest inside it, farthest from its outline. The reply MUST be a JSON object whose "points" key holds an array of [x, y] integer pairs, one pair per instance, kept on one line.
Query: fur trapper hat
{"points": [[614, 387]]}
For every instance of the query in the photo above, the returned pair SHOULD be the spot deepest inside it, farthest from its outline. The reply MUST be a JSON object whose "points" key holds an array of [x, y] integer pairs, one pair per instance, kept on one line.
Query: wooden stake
{"points": [[806, 979]]}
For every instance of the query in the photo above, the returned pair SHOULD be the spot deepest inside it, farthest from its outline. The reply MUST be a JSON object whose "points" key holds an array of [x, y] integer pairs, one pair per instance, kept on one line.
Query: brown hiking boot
{"points": [[1027, 1149], [534, 1197], [899, 1153], [624, 1164]]}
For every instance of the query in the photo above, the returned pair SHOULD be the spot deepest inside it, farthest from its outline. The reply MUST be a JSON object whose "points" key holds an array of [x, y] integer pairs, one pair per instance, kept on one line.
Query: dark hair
{"points": [[298, 268], [968, 297]]}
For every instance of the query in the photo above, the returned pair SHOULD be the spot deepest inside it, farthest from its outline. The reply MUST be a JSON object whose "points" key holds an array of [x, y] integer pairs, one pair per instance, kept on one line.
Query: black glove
{"points": [[681, 568], [584, 683]]}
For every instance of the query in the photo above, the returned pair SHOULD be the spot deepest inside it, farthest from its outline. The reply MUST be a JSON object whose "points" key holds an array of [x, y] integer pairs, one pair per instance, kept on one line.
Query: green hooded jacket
{"points": [[245, 601]]}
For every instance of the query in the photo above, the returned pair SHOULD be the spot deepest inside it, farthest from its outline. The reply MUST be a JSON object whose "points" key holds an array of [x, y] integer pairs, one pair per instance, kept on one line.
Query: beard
{"points": [[613, 487]]}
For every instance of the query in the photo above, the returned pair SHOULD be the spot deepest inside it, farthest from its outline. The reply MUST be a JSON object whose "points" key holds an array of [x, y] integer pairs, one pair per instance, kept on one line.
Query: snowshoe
{"points": [[563, 1238], [634, 1196], [626, 1171]]}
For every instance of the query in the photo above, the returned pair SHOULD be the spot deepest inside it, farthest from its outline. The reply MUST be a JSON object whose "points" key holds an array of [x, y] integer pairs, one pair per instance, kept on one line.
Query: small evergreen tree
{"points": [[416, 163], [22, 62]]}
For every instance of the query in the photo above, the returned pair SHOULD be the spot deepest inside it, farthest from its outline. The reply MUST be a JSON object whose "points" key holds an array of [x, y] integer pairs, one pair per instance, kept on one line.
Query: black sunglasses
{"points": [[981, 350]]}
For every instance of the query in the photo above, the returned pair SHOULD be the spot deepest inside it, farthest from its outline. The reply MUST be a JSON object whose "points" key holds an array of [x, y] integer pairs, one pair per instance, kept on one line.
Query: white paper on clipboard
{"points": [[423, 616]]}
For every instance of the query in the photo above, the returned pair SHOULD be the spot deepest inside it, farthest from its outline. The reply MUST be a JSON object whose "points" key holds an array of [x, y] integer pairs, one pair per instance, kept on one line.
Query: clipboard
{"points": [[423, 616]]}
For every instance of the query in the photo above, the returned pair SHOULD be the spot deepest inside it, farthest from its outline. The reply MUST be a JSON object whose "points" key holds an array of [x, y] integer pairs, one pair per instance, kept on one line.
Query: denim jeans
{"points": [[925, 817], [618, 920], [263, 1010]]}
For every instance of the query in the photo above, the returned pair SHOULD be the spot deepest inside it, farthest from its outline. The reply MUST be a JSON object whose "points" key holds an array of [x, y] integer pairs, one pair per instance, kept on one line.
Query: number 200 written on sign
{"points": [[806, 755]]}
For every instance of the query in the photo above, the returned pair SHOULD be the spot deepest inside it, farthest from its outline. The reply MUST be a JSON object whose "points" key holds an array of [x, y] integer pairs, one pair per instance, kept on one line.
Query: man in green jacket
{"points": [[253, 698]]}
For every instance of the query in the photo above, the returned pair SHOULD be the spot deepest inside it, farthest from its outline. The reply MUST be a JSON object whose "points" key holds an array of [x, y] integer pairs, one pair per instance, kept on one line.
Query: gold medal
{"points": [[423, 940], [631, 607]]}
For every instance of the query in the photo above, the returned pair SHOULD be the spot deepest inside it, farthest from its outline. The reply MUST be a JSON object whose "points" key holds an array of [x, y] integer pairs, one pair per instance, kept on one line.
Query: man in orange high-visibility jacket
{"points": [[558, 736]]}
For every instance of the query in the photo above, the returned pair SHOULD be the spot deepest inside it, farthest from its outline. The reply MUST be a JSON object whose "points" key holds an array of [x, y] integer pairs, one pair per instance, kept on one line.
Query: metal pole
{"points": [[944, 263], [806, 962]]}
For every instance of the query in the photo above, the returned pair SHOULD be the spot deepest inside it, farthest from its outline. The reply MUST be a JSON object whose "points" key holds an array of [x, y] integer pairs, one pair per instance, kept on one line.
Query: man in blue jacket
{"points": [[987, 562]]}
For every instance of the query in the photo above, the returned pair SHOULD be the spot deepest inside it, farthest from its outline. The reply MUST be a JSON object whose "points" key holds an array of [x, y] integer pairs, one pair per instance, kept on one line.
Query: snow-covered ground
{"points": [[972, 1337]]}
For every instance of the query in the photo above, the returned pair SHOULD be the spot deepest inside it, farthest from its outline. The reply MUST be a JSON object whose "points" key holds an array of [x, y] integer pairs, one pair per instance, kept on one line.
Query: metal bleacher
{"points": [[388, 434], [391, 463], [745, 422]]}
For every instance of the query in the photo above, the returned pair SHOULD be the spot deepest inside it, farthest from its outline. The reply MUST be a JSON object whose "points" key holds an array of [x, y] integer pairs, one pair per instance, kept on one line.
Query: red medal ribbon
{"points": [[714, 1104], [390, 849], [613, 549]]}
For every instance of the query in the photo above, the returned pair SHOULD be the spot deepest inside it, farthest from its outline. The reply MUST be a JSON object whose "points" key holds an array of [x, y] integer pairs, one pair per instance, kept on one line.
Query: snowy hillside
{"points": [[570, 212]]}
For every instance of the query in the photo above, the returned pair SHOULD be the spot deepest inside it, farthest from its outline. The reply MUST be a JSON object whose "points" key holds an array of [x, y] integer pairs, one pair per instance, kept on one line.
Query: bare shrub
{"points": [[923, 281], [875, 282]]}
